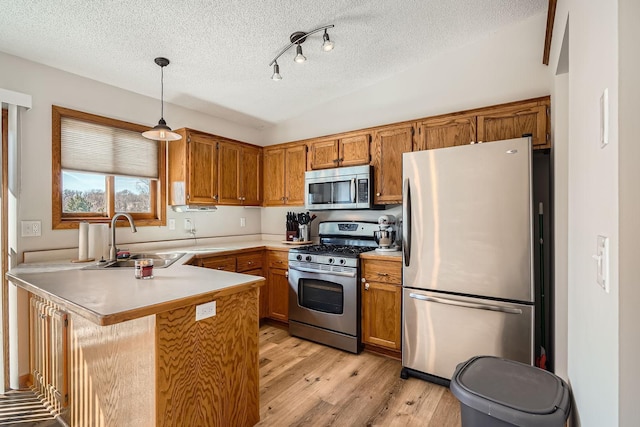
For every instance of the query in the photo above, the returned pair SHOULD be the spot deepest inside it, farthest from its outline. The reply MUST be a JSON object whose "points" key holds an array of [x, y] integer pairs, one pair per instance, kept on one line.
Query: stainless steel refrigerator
{"points": [[468, 284]]}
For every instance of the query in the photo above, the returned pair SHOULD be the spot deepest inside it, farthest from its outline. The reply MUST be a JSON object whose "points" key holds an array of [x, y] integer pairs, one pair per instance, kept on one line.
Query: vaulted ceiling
{"points": [[220, 51]]}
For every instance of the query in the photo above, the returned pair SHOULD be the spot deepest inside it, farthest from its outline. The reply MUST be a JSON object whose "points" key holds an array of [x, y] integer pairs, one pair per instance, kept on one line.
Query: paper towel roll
{"points": [[97, 238], [83, 241]]}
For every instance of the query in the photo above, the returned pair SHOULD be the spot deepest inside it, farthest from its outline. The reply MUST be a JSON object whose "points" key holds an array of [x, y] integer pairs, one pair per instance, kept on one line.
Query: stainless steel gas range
{"points": [[324, 290]]}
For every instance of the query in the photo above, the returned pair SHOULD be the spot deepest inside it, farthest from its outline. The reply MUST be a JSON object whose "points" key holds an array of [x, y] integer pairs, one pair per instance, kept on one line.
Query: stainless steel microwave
{"points": [[339, 188]]}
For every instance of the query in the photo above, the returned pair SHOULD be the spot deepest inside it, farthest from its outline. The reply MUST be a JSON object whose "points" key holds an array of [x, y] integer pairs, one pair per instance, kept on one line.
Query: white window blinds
{"points": [[91, 147]]}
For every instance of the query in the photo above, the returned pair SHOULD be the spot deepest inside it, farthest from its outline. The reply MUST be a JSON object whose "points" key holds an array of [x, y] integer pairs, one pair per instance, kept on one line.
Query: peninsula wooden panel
{"points": [[216, 383], [389, 144], [446, 132], [112, 373], [354, 150]]}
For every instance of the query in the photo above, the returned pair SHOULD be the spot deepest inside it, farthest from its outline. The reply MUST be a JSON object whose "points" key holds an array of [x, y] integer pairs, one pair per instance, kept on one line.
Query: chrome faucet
{"points": [[113, 254]]}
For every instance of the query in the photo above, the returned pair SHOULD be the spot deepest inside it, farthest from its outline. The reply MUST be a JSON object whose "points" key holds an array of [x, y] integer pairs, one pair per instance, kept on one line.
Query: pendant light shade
{"points": [[161, 132]]}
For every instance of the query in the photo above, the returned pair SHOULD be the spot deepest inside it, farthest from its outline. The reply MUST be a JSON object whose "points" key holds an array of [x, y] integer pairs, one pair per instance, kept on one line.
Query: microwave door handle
{"points": [[353, 190], [406, 222]]}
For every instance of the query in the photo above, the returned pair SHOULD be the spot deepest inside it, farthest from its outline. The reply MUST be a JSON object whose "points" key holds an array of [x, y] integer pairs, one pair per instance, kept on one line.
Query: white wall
{"points": [[52, 86], [506, 66], [629, 177], [560, 122], [593, 206]]}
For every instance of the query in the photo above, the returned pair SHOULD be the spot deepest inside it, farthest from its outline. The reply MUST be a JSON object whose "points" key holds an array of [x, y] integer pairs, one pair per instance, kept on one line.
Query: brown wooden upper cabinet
{"points": [[389, 143], [514, 121], [347, 150], [284, 175], [239, 174], [449, 131], [207, 169], [193, 169]]}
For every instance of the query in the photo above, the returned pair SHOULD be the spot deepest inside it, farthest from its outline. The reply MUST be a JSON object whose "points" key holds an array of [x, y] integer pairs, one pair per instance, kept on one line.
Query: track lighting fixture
{"points": [[297, 39], [161, 132]]}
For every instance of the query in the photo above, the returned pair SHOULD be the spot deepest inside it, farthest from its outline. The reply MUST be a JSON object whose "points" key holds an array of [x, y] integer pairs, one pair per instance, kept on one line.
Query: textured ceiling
{"points": [[220, 50]]}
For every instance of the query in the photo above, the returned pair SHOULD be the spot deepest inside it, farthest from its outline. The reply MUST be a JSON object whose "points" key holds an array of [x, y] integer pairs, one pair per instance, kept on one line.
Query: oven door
{"points": [[328, 300]]}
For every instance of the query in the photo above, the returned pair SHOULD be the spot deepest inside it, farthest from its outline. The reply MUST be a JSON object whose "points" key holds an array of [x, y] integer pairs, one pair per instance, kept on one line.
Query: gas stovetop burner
{"points": [[341, 250]]}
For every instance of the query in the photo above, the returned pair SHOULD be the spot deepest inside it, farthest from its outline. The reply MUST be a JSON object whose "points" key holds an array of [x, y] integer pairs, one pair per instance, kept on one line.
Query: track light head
{"points": [[300, 58], [327, 44], [276, 73]]}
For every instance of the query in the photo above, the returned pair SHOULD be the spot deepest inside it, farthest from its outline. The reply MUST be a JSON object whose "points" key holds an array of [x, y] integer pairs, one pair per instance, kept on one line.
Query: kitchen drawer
{"points": [[382, 271], [251, 261], [220, 263], [278, 259]]}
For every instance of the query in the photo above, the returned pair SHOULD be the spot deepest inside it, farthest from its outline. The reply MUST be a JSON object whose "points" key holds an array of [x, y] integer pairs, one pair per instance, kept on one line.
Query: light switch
{"points": [[602, 260]]}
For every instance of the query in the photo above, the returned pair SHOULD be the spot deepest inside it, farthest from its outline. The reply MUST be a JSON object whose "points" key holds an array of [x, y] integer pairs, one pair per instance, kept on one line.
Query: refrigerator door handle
{"points": [[406, 222], [489, 307]]}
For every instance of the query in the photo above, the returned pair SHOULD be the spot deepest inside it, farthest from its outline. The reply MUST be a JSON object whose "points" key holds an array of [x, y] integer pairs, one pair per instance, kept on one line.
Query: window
{"points": [[102, 166]]}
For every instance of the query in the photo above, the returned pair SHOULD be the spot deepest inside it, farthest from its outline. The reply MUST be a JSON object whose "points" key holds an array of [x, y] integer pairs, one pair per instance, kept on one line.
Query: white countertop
{"points": [[108, 296]]}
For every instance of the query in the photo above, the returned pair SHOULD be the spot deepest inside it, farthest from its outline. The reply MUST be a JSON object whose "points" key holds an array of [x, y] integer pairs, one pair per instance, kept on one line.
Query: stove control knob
{"points": [[331, 260], [299, 257], [308, 258], [342, 261]]}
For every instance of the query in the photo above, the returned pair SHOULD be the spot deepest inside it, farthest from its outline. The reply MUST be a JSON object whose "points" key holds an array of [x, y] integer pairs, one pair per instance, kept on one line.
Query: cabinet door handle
{"points": [[378, 194], [363, 280], [250, 262], [366, 286], [286, 274], [220, 268]]}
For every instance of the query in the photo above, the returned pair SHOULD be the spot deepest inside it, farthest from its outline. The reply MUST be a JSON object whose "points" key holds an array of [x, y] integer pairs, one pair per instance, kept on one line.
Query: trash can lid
{"points": [[518, 386]]}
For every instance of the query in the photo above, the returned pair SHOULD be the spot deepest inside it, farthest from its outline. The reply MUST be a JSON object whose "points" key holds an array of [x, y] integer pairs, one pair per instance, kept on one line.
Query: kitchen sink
{"points": [[159, 261]]}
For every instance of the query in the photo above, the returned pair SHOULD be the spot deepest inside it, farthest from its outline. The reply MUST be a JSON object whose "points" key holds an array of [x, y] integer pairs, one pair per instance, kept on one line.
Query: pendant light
{"points": [[161, 132]]}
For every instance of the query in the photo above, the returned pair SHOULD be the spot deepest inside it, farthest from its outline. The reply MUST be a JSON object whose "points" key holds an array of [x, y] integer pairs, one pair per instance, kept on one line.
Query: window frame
{"points": [[157, 192]]}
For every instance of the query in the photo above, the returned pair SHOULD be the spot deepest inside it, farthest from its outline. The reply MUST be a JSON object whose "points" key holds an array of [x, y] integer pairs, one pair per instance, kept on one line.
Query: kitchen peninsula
{"points": [[131, 352]]}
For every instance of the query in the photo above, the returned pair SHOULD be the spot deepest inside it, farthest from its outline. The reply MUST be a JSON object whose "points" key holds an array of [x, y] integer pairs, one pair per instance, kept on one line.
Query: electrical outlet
{"points": [[172, 224], [187, 224], [243, 222], [31, 228], [204, 311]]}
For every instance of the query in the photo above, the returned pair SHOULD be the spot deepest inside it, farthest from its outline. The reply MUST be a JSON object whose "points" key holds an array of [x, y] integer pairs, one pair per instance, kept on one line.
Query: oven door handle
{"points": [[333, 273]]}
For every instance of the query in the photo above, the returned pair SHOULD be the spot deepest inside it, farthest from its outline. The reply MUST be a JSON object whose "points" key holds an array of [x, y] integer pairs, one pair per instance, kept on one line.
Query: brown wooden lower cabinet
{"points": [[271, 264], [278, 283], [382, 304]]}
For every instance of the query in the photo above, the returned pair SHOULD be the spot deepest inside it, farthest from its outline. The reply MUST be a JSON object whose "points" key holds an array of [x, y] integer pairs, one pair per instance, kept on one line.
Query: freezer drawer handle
{"points": [[467, 304], [333, 273]]}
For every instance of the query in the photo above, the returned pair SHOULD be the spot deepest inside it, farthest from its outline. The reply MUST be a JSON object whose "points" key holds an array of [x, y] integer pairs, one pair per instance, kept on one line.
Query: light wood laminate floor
{"points": [[307, 384]]}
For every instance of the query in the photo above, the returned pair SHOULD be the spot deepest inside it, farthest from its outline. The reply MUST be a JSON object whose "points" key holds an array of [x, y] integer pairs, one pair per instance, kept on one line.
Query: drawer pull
{"points": [[383, 274]]}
